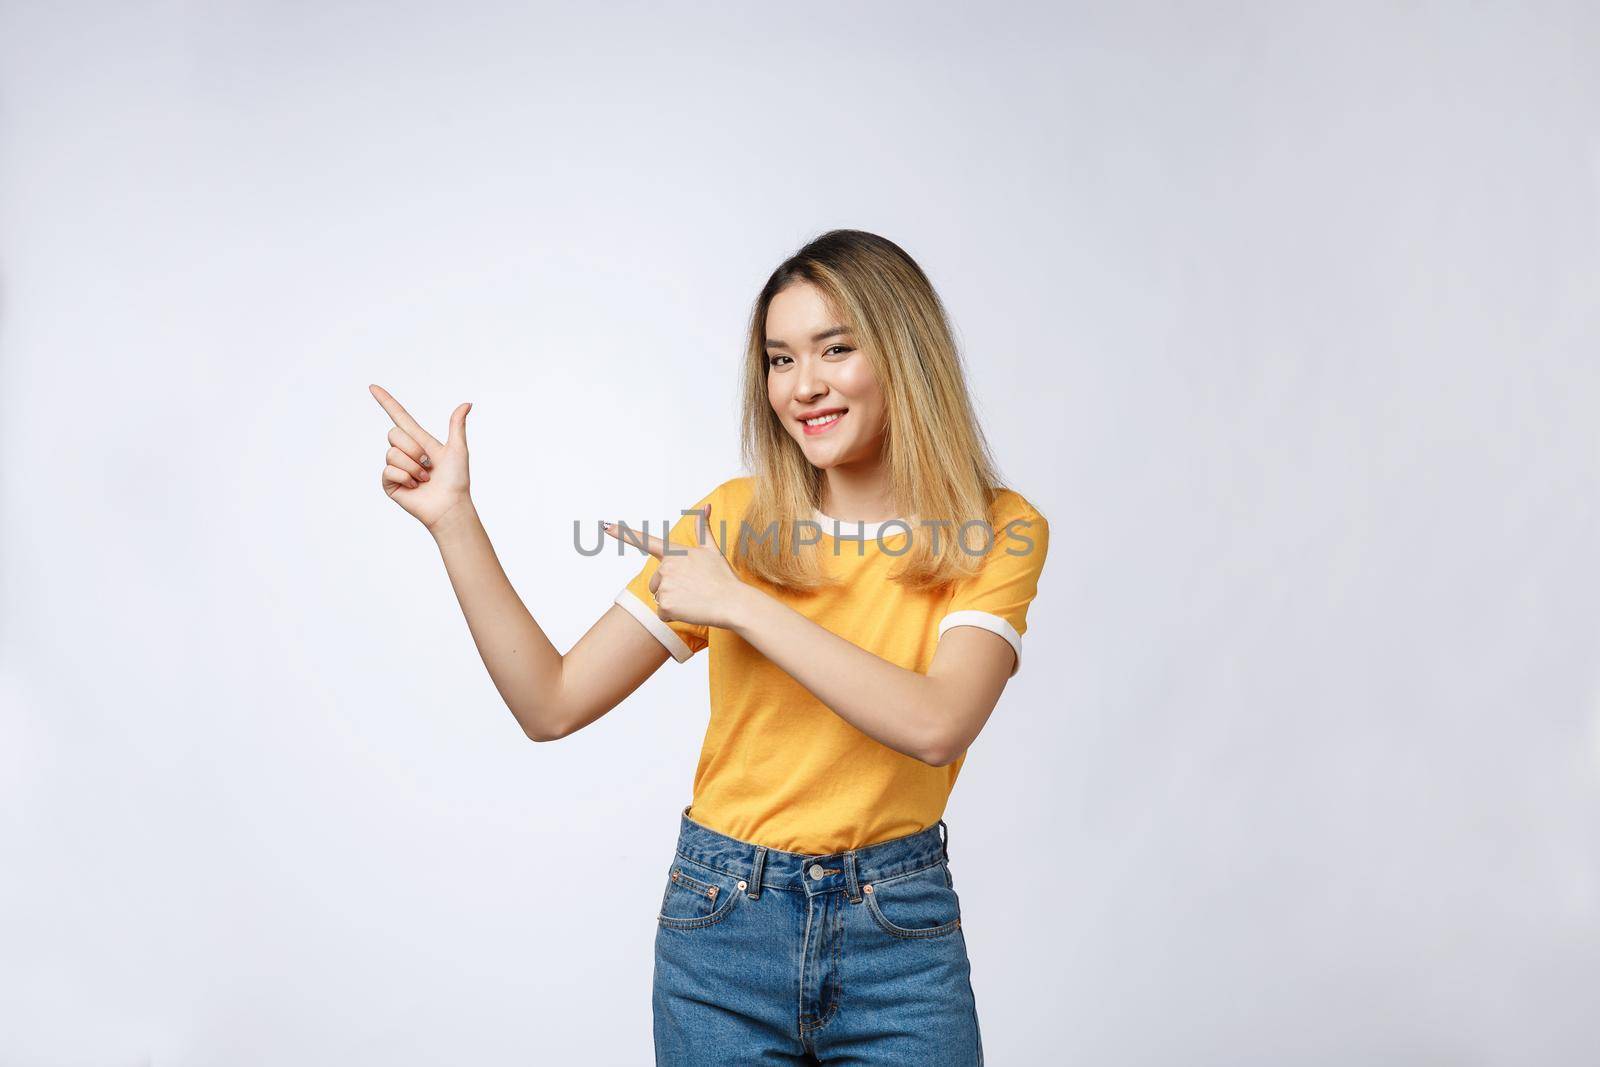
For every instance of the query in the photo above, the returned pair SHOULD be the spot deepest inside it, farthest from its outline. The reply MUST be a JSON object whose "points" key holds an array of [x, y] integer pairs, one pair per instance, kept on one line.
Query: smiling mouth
{"points": [[812, 427]]}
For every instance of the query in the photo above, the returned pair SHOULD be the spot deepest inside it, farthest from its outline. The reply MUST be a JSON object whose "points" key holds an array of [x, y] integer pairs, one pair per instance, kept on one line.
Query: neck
{"points": [[851, 494]]}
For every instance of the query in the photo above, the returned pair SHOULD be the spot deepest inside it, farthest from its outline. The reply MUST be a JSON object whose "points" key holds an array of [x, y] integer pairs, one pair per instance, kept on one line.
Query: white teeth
{"points": [[824, 419]]}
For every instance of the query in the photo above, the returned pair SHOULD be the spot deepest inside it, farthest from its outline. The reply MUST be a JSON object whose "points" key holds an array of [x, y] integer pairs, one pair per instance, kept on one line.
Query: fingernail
{"points": [[604, 524], [423, 477], [425, 461]]}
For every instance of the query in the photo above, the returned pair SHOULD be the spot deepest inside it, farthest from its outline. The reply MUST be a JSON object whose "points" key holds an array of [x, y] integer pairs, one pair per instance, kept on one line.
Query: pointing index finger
{"points": [[402, 418], [637, 538]]}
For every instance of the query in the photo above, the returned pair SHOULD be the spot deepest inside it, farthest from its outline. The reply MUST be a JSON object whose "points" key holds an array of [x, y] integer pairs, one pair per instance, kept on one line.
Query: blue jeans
{"points": [[769, 957]]}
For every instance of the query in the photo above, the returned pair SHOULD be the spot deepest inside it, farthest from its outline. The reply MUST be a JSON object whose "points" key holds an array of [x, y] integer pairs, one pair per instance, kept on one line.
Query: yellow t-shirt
{"points": [[777, 767]]}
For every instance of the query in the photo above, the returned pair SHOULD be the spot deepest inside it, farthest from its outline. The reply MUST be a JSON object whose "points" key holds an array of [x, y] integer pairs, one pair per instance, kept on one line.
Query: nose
{"points": [[808, 384]]}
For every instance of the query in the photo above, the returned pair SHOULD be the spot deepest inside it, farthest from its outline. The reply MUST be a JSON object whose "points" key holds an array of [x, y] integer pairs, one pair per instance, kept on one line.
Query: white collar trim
{"points": [[845, 530]]}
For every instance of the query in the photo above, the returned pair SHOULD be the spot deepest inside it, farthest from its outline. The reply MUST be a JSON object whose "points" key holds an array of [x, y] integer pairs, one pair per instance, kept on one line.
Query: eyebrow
{"points": [[832, 331]]}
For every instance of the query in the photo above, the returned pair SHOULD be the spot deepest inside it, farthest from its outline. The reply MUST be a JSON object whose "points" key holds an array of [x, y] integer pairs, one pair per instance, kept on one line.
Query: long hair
{"points": [[939, 463]]}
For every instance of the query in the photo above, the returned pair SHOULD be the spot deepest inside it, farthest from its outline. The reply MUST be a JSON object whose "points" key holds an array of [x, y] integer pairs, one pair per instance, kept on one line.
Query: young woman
{"points": [[863, 594]]}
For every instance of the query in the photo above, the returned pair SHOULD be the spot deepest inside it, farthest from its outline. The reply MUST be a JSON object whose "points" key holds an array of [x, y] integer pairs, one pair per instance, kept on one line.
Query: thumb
{"points": [[458, 425], [704, 526]]}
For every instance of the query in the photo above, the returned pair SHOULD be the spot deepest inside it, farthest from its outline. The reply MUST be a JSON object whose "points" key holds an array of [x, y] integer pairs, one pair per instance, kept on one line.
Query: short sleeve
{"points": [[681, 639], [997, 597]]}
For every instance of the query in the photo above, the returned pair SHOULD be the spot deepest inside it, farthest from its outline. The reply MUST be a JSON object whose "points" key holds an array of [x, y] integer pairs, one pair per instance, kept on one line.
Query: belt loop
{"points": [[754, 890], [852, 880], [944, 840]]}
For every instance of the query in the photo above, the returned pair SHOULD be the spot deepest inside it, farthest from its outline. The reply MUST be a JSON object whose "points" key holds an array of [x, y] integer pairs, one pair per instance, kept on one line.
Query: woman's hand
{"points": [[694, 583], [425, 477]]}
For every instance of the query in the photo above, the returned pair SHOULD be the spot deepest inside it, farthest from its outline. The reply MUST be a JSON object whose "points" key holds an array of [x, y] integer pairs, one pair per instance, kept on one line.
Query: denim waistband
{"points": [[762, 867]]}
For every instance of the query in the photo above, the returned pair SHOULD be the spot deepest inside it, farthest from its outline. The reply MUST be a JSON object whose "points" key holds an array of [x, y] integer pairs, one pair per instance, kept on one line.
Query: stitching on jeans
{"points": [[837, 904], [766, 885], [695, 884], [805, 952], [712, 867], [838, 955], [699, 888], [893, 878], [717, 916], [703, 865], [822, 987], [906, 931]]}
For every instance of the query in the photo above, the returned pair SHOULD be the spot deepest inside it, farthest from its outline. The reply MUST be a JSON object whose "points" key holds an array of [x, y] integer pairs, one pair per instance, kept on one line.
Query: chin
{"points": [[831, 460]]}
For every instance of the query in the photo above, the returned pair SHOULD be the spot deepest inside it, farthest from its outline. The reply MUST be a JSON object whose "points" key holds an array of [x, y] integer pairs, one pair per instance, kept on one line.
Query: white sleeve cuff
{"points": [[985, 621], [655, 624]]}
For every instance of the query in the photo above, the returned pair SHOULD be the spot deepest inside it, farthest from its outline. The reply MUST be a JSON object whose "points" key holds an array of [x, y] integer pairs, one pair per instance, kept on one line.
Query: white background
{"points": [[1285, 316]]}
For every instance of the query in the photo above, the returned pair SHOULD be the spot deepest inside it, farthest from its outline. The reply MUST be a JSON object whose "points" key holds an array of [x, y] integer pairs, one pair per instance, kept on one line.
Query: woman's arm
{"points": [[933, 717], [549, 694], [525, 666]]}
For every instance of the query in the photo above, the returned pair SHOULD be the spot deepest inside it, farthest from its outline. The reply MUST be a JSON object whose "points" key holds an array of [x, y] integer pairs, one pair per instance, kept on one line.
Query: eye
{"points": [[772, 361]]}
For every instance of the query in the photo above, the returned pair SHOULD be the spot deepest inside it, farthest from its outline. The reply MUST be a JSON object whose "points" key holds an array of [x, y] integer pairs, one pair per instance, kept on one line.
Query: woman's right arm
{"points": [[549, 694]]}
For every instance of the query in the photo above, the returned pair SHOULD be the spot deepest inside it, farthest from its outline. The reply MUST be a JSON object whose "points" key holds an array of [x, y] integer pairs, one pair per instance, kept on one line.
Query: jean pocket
{"points": [[920, 904], [697, 895]]}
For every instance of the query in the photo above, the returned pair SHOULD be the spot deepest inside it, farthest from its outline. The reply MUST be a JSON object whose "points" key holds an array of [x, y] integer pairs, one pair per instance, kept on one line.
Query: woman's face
{"points": [[814, 368]]}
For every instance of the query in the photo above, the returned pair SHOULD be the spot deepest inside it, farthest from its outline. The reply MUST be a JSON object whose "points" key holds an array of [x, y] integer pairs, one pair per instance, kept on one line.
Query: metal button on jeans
{"points": [[816, 870]]}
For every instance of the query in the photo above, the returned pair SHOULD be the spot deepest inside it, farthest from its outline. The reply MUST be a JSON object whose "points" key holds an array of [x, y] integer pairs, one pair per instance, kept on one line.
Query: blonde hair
{"points": [[939, 463]]}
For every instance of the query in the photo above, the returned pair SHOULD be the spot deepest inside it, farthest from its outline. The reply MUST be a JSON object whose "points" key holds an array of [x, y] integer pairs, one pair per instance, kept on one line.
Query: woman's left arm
{"points": [[933, 717]]}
